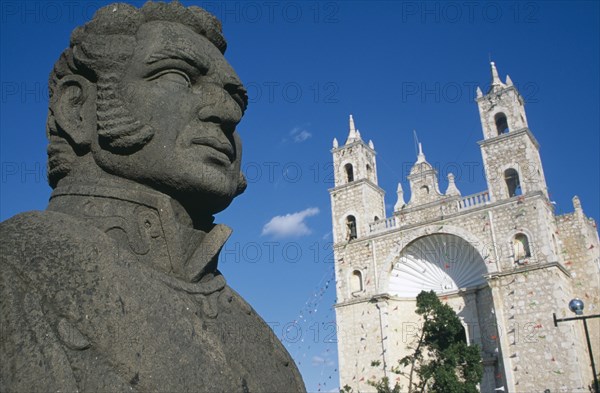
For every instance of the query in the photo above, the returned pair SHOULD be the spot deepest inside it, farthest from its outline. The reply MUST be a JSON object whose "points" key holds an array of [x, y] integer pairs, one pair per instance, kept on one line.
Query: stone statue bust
{"points": [[115, 286]]}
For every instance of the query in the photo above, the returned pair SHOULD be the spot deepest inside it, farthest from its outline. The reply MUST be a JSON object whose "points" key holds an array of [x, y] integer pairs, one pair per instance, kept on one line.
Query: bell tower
{"points": [[510, 151], [356, 199], [423, 181]]}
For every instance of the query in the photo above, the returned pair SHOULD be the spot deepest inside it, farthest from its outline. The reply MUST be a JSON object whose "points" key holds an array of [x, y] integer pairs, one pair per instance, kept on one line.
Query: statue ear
{"points": [[75, 108]]}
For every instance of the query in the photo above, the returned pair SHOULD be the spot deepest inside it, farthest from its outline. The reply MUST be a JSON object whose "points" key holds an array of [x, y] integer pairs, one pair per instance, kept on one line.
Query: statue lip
{"points": [[210, 141]]}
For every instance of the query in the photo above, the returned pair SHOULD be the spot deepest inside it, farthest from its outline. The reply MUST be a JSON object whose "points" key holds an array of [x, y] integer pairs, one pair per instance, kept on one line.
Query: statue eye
{"points": [[173, 76]]}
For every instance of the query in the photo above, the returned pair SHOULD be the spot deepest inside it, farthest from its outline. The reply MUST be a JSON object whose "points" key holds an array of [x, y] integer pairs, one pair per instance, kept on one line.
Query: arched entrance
{"points": [[440, 262]]}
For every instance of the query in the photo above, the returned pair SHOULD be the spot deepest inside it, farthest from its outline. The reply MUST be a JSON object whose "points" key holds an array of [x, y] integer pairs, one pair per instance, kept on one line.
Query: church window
{"points": [[349, 172], [521, 248], [376, 218], [501, 123], [511, 176], [356, 281], [369, 171], [351, 227], [424, 190]]}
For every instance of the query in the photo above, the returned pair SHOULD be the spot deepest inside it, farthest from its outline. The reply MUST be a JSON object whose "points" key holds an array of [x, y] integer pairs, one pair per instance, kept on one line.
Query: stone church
{"points": [[500, 258]]}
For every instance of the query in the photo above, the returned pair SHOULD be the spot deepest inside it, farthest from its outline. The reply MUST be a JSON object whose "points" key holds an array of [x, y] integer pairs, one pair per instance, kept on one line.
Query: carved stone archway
{"points": [[440, 262]]}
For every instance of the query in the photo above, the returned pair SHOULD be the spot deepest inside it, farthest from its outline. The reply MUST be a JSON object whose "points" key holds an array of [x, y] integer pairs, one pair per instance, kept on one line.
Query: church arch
{"points": [[513, 183], [351, 231], [356, 282], [349, 172], [521, 246], [487, 250], [440, 262], [501, 123]]}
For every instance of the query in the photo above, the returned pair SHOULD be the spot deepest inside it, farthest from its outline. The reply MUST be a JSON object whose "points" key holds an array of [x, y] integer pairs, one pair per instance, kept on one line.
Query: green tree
{"points": [[441, 362]]}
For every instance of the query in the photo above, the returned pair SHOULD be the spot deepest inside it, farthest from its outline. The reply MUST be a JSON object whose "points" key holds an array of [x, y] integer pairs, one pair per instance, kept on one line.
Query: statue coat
{"points": [[85, 310]]}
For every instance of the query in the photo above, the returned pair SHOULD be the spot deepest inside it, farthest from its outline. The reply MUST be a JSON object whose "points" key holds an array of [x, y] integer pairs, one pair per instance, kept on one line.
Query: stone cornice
{"points": [[357, 183], [511, 134], [524, 269], [352, 144], [437, 220], [386, 296]]}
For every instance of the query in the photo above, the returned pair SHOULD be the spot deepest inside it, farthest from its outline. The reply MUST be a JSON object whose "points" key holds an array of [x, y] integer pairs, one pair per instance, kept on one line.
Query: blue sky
{"points": [[396, 66]]}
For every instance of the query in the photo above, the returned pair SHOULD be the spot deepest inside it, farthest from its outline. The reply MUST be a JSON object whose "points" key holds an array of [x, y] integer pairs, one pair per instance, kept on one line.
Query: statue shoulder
{"points": [[34, 220], [32, 226], [45, 255], [48, 235]]}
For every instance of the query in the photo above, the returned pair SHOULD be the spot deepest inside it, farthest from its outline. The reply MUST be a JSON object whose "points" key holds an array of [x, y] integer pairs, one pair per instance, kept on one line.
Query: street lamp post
{"points": [[576, 305]]}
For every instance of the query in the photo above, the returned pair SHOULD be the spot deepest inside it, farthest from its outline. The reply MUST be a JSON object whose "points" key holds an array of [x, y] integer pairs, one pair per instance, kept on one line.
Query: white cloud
{"points": [[321, 361], [290, 225], [299, 134]]}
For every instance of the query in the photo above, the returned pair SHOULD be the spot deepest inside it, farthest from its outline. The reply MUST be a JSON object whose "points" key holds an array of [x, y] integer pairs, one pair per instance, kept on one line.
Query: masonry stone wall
{"points": [[537, 355], [580, 249], [518, 151]]}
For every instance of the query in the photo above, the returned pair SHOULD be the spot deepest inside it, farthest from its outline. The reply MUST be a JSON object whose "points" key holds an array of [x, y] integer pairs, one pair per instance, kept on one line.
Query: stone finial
{"points": [[335, 143], [452, 190], [479, 92], [578, 209], [353, 134], [400, 202], [509, 81], [421, 156], [495, 77], [576, 203], [371, 145]]}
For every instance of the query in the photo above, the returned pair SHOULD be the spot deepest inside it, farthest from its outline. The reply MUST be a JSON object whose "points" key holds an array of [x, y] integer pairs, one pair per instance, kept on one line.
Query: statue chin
{"points": [[202, 205]]}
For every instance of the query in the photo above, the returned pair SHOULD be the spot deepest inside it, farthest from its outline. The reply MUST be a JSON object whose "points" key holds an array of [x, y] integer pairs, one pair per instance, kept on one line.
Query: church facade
{"points": [[500, 258]]}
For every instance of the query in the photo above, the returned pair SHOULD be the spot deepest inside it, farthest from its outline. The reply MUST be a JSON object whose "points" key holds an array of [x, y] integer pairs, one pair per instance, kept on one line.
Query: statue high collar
{"points": [[150, 224]]}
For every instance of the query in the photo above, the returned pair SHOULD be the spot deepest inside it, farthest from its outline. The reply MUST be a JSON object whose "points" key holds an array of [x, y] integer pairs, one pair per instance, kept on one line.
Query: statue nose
{"points": [[219, 107]]}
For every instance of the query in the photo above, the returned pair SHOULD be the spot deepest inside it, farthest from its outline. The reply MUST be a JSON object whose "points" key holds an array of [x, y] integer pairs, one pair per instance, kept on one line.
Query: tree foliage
{"points": [[441, 361]]}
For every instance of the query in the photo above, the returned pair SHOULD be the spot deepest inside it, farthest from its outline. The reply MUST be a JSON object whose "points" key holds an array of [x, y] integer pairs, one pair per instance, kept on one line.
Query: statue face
{"points": [[180, 84]]}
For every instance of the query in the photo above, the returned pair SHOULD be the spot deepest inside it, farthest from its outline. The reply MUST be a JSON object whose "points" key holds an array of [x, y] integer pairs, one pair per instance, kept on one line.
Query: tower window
{"points": [[424, 190], [369, 171], [356, 281], [511, 176], [349, 172], [501, 123], [351, 227], [521, 248]]}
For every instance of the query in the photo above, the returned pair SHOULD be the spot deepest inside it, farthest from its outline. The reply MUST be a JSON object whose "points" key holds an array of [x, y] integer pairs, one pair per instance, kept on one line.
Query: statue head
{"points": [[146, 95]]}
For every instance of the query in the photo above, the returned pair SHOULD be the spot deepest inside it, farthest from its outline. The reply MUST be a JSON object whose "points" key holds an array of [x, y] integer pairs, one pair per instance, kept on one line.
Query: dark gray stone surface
{"points": [[115, 286]]}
